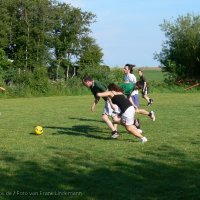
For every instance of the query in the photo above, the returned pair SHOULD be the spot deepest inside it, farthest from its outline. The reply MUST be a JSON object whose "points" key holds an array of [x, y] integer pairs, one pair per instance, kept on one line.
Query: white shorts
{"points": [[109, 111], [128, 116]]}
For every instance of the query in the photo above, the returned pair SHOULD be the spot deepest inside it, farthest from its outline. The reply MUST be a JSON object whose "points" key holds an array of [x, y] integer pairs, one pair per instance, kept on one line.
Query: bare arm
{"points": [[145, 84], [105, 94], [94, 104], [98, 95], [113, 106], [130, 99]]}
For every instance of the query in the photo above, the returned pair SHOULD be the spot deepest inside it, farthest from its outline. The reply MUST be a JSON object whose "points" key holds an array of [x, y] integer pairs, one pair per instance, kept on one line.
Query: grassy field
{"points": [[154, 75], [75, 158], [151, 73]]}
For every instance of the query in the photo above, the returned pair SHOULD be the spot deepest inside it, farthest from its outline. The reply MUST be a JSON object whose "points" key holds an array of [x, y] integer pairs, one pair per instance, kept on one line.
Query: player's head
{"points": [[114, 87], [87, 81], [128, 68], [140, 72]]}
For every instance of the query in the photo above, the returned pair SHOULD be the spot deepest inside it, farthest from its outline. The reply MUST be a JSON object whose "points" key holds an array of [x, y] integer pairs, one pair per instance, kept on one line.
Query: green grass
{"points": [[154, 75], [75, 152], [151, 74]]}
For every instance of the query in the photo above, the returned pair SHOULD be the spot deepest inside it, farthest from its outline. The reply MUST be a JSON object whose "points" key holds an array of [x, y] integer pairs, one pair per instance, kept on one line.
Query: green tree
{"points": [[91, 59], [180, 55], [4, 25], [38, 34], [6, 70], [28, 28], [70, 25]]}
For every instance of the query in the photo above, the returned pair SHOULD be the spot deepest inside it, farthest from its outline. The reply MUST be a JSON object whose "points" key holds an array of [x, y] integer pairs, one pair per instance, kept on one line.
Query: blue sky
{"points": [[128, 31]]}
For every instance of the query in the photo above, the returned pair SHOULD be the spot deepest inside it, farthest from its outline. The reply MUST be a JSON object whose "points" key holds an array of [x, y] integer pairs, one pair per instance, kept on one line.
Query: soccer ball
{"points": [[38, 130]]}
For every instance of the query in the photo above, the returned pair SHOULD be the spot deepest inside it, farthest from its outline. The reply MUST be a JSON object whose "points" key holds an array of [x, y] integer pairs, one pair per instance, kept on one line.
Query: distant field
{"points": [[153, 74], [75, 158]]}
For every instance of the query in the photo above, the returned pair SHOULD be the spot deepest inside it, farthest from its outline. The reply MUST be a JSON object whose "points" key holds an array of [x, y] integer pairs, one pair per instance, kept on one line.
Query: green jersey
{"points": [[98, 87], [127, 88]]}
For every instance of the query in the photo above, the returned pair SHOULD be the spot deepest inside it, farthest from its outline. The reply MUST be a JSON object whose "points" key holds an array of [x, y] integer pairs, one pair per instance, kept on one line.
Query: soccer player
{"points": [[96, 87], [117, 97], [143, 84], [132, 92], [131, 78]]}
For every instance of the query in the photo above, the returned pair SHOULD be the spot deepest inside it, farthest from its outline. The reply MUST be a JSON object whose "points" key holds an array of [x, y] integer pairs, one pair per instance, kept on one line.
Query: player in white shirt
{"points": [[134, 96], [131, 78]]}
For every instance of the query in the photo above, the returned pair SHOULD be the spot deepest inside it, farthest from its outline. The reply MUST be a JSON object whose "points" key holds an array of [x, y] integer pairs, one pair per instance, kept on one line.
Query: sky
{"points": [[128, 31]]}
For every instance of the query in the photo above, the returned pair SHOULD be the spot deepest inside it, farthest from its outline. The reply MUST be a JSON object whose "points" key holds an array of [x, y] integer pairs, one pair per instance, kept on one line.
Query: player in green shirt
{"points": [[97, 87], [127, 89]]}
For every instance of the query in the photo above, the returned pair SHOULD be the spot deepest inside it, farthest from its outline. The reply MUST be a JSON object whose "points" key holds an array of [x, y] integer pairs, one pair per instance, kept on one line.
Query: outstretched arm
{"points": [[105, 94]]}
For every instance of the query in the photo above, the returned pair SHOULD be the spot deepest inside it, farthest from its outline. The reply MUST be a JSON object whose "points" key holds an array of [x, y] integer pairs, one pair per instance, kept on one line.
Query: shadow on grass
{"points": [[86, 119], [81, 130], [139, 179]]}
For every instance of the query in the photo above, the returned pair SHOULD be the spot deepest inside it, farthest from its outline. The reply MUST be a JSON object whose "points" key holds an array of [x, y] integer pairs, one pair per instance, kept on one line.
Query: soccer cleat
{"points": [[152, 116], [150, 102], [115, 134], [144, 139]]}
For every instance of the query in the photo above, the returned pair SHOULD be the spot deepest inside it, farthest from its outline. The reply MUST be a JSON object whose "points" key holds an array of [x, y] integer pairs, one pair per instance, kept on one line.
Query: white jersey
{"points": [[130, 78]]}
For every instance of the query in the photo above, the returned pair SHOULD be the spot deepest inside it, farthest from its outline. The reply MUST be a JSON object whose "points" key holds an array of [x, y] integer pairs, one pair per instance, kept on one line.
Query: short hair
{"points": [[87, 78]]}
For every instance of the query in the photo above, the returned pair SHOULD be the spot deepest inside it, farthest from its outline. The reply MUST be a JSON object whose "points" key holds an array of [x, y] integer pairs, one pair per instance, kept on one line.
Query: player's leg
{"points": [[151, 114], [108, 111], [145, 96], [134, 131], [106, 119], [128, 121]]}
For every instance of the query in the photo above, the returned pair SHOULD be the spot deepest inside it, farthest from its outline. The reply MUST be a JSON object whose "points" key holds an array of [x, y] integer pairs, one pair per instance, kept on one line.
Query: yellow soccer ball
{"points": [[38, 130]]}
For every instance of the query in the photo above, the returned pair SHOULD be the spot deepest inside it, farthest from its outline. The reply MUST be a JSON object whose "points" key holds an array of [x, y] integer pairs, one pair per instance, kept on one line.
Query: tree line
{"points": [[44, 35], [180, 54], [42, 40]]}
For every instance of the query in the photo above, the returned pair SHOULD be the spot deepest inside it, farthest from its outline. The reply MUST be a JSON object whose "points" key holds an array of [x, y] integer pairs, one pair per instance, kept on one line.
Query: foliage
{"points": [[4, 62], [27, 85], [6, 70], [68, 30], [28, 28], [48, 34], [90, 61], [180, 55], [100, 73], [116, 75], [52, 49]]}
